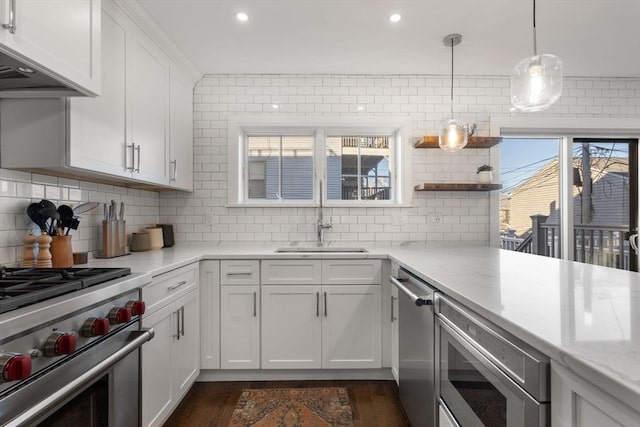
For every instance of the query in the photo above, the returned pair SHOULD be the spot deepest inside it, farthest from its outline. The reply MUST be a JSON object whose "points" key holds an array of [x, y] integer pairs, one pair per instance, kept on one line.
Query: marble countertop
{"points": [[585, 317]]}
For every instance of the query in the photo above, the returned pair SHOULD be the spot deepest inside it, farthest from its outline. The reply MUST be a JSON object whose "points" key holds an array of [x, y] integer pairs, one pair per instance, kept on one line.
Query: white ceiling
{"points": [[592, 37]]}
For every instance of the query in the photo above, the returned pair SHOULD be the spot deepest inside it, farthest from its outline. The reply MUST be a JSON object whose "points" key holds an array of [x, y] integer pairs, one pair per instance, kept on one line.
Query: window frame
{"points": [[399, 167]]}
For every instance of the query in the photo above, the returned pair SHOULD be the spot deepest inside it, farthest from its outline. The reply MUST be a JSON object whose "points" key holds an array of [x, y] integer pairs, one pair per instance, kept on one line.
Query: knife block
{"points": [[114, 238]]}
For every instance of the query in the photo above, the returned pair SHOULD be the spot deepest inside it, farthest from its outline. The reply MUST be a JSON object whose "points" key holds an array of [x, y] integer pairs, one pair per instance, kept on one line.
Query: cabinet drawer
{"points": [[240, 272], [351, 272], [291, 272], [167, 285]]}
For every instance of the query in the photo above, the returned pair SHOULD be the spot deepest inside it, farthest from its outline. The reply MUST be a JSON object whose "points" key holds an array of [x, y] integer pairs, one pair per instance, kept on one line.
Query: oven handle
{"points": [[419, 301], [77, 384]]}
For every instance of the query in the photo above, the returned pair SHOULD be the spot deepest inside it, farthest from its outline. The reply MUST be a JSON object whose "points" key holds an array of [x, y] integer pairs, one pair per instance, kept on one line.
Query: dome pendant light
{"points": [[453, 134], [536, 82]]}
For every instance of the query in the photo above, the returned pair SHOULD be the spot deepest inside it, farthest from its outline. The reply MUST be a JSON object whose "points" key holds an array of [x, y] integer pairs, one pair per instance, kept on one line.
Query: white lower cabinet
{"points": [[332, 327], [291, 327], [240, 327], [171, 360], [210, 314], [351, 327], [577, 402]]}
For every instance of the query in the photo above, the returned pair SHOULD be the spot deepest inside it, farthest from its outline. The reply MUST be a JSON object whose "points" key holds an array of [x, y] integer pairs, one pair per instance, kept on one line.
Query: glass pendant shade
{"points": [[453, 135], [536, 82]]}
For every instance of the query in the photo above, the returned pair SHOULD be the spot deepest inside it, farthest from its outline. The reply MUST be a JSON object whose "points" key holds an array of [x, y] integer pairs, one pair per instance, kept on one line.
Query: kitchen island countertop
{"points": [[585, 317]]}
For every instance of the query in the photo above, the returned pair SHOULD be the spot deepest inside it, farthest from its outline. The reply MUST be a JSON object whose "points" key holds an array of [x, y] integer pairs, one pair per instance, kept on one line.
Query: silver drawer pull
{"points": [[239, 273], [418, 300], [177, 285]]}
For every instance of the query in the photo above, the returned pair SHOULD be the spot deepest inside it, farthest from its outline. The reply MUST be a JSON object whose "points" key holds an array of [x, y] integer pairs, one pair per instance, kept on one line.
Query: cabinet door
{"points": [[240, 327], [97, 138], [395, 344], [210, 314], [181, 144], [351, 326], [186, 345], [291, 327], [577, 402], [157, 391], [61, 36], [148, 78]]}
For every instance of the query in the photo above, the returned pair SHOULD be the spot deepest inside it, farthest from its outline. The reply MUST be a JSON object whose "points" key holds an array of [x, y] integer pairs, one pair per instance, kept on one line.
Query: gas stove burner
{"points": [[24, 286]]}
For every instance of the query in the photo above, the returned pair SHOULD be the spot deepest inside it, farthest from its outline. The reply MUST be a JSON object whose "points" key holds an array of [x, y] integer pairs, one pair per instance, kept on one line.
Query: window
{"points": [[279, 167], [359, 164], [358, 167]]}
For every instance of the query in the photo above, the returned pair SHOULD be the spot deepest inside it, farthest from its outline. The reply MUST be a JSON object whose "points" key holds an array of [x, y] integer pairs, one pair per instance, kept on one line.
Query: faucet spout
{"points": [[321, 225]]}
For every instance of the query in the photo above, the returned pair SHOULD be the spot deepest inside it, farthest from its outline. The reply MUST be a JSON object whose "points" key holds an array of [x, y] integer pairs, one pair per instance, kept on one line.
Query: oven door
{"points": [[476, 392], [97, 386]]}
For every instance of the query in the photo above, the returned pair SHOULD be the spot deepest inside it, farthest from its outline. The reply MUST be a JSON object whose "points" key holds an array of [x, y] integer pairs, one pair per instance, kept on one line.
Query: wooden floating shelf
{"points": [[474, 142], [450, 186]]}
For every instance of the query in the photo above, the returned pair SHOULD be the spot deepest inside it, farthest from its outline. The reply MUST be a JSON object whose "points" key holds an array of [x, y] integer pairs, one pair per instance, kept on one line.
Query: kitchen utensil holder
{"points": [[61, 252]]}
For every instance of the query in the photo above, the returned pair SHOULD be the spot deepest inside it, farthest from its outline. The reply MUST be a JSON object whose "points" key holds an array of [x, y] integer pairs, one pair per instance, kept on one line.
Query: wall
{"points": [[424, 98], [19, 189]]}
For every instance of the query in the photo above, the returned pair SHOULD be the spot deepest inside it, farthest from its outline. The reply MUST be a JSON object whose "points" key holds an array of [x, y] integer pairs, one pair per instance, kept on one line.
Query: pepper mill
{"points": [[43, 259], [28, 255]]}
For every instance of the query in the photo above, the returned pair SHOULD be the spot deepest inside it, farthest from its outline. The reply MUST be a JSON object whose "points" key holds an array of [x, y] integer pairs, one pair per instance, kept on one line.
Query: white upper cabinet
{"points": [[61, 37], [181, 131]]}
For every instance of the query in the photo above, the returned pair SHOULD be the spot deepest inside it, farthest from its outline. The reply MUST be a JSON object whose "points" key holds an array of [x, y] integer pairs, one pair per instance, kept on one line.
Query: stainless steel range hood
{"points": [[19, 79]]}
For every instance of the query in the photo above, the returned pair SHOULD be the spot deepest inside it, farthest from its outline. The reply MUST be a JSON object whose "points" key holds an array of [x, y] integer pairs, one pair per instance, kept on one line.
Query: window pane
{"points": [[601, 199], [263, 169], [297, 167], [530, 198], [280, 167], [358, 168]]}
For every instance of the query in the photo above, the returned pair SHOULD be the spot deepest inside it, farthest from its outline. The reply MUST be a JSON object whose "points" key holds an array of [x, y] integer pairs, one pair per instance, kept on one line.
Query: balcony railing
{"points": [[366, 193], [604, 245]]}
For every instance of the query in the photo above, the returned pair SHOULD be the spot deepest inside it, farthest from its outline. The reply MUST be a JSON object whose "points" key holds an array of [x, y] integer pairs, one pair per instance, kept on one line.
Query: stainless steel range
{"points": [[69, 346]]}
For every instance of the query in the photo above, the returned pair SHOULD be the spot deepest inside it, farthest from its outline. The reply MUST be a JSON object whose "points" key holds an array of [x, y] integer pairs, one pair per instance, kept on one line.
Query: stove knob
{"points": [[137, 307], [60, 343], [119, 315], [94, 327], [14, 367]]}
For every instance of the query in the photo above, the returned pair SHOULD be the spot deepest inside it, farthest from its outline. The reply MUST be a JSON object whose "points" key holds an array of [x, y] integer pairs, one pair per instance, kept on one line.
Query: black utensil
{"points": [[66, 216], [33, 210], [74, 225], [50, 213]]}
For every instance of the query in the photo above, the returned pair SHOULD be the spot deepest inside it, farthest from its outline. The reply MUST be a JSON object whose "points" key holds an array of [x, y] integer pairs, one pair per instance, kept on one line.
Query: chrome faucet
{"points": [[321, 225]]}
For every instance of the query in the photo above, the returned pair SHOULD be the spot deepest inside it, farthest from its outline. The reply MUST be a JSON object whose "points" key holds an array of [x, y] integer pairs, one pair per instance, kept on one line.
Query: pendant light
{"points": [[453, 134], [536, 82]]}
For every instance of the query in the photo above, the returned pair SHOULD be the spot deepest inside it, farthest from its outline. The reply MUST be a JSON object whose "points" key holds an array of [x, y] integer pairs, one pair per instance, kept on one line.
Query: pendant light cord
{"points": [[452, 78], [535, 44]]}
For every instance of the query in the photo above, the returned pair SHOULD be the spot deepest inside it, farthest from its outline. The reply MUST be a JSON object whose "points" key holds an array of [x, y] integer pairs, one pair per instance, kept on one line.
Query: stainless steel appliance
{"points": [[69, 346], [486, 376], [417, 352]]}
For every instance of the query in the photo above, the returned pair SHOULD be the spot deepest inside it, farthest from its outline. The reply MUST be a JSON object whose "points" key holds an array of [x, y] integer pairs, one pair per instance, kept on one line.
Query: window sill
{"points": [[315, 205]]}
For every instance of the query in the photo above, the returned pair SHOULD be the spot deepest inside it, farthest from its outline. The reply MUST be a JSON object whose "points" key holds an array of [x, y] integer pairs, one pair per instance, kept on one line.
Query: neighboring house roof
{"points": [[539, 195]]}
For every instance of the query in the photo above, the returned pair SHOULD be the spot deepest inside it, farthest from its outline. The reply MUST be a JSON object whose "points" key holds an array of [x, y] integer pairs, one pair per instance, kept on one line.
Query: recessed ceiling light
{"points": [[26, 70], [242, 17], [396, 17]]}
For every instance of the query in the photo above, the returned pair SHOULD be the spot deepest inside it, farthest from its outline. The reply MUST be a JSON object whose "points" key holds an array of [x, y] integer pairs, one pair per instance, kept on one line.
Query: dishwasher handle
{"points": [[418, 300]]}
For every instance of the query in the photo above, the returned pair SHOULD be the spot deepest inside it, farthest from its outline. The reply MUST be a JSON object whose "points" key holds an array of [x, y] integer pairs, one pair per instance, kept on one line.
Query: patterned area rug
{"points": [[293, 407]]}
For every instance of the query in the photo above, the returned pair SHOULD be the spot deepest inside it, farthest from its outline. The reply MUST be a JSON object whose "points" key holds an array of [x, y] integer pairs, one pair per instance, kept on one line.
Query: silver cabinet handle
{"points": [[177, 313], [255, 297], [239, 273], [133, 156], [31, 415], [177, 285], [325, 304], [11, 26], [317, 304], [138, 163], [182, 320], [392, 300], [174, 177], [418, 300]]}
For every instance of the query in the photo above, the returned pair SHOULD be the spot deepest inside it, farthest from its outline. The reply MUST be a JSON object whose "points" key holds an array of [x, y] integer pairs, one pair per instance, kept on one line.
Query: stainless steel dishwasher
{"points": [[416, 324]]}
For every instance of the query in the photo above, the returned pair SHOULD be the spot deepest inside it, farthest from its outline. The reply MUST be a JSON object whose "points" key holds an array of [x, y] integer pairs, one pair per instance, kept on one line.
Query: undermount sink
{"points": [[319, 249]]}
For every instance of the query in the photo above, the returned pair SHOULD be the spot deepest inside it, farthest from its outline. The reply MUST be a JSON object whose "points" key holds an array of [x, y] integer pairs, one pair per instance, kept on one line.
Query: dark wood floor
{"points": [[374, 403]]}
